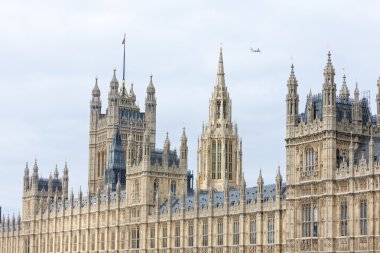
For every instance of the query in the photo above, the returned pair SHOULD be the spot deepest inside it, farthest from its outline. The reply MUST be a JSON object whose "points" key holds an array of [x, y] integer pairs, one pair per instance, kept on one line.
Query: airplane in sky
{"points": [[255, 51]]}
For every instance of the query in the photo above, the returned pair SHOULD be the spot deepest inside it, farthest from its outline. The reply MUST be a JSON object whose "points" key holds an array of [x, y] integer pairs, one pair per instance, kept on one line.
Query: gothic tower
{"points": [[219, 153], [122, 115]]}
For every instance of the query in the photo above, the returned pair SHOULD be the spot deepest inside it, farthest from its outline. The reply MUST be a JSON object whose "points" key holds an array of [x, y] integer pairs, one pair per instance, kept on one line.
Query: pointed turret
{"points": [[113, 101], [371, 155], [329, 71], [310, 107], [50, 185], [357, 111], [329, 96], [220, 75], [278, 181], [35, 176], [150, 111], [56, 173], [132, 94], [26, 178], [292, 100], [183, 150], [165, 153], [260, 187], [344, 93], [65, 181], [96, 104]]}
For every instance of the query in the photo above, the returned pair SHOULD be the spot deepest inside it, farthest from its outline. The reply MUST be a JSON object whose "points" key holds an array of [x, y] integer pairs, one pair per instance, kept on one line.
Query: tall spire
{"points": [[329, 71], [96, 90], [123, 42], [220, 80], [344, 91]]}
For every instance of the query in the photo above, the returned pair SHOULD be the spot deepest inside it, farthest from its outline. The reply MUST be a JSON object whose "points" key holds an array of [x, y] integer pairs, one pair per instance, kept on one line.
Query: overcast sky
{"points": [[51, 52]]}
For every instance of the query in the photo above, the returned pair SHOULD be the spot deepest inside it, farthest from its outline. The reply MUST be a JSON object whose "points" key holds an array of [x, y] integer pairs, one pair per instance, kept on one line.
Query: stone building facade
{"points": [[141, 198]]}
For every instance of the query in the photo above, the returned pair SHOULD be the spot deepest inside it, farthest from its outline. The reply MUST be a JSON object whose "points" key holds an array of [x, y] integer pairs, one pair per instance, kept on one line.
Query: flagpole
{"points": [[124, 60]]}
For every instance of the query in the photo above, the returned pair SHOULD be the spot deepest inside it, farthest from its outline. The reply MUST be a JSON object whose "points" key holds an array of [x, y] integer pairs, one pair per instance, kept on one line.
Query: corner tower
{"points": [[219, 151]]}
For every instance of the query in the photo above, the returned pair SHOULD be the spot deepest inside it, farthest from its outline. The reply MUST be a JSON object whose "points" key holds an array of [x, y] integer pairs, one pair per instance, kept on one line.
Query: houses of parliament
{"points": [[143, 198]]}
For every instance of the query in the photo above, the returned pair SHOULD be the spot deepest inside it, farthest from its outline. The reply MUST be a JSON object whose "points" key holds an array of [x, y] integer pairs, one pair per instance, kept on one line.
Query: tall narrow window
{"points": [[224, 109], [123, 239], [51, 244], [155, 189], [343, 219], [309, 221], [191, 234], [102, 241], [236, 232], [213, 161], [136, 238], [58, 243], [113, 240], [75, 243], [252, 231], [230, 162], [93, 241], [84, 242], [363, 217], [205, 233], [270, 231], [219, 159], [136, 189], [177, 235], [306, 220], [226, 159], [164, 237], [220, 233], [310, 159], [152, 237], [173, 187], [218, 109], [315, 222]]}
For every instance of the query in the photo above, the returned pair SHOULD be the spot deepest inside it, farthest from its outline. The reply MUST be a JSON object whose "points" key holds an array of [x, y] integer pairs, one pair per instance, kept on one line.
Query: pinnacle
{"points": [[96, 90], [220, 74]]}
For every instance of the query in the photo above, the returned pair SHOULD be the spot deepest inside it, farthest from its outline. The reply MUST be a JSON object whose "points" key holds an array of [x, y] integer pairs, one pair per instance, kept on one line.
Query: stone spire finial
{"points": [[96, 90], [356, 92], [114, 79], [56, 173], [167, 141], [344, 91], [35, 167], [183, 137], [220, 74], [26, 170], [329, 71]]}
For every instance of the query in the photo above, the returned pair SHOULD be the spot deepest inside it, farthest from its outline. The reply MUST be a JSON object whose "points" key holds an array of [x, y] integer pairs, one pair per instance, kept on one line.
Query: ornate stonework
{"points": [[141, 198]]}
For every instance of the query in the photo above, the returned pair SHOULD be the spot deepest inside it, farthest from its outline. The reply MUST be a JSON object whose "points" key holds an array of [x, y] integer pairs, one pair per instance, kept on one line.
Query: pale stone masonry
{"points": [[141, 198]]}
